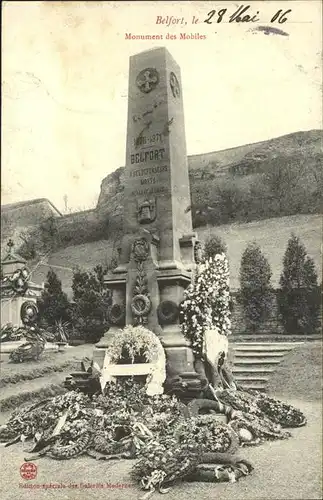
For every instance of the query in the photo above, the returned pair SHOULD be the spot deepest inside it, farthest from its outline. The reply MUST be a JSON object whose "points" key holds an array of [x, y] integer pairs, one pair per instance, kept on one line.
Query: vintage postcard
{"points": [[161, 270]]}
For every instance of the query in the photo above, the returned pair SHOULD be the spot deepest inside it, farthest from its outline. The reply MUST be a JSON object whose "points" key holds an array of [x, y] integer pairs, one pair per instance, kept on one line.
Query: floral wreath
{"points": [[138, 341], [117, 314], [167, 312], [19, 281], [28, 312], [206, 304], [140, 305]]}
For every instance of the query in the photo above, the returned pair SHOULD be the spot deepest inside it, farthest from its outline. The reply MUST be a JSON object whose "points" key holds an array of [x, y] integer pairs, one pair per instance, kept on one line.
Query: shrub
{"points": [[53, 304], [213, 246], [256, 294], [39, 240], [91, 302], [299, 294]]}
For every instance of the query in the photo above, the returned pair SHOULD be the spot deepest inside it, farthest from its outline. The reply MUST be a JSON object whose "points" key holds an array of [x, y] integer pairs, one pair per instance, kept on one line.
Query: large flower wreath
{"points": [[133, 343], [206, 304], [136, 345]]}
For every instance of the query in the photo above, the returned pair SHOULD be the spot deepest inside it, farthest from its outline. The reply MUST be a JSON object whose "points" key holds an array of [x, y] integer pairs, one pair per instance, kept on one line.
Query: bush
{"points": [[91, 302], [39, 240], [256, 294], [213, 246], [299, 294], [53, 304]]}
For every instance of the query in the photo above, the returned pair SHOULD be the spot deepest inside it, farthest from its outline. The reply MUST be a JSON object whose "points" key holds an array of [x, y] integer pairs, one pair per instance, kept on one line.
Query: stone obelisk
{"points": [[157, 253]]}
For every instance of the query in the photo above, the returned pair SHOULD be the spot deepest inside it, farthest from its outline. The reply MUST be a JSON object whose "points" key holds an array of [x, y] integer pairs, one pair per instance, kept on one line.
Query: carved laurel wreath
{"points": [[167, 312], [140, 305]]}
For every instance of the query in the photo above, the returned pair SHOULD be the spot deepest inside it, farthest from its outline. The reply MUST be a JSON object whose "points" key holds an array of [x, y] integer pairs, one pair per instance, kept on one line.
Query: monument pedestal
{"points": [[16, 288], [157, 253]]}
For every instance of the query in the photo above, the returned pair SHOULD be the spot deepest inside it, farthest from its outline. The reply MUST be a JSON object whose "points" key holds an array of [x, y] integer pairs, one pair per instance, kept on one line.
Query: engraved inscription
{"points": [[153, 155], [149, 170], [148, 180], [143, 140], [148, 191]]}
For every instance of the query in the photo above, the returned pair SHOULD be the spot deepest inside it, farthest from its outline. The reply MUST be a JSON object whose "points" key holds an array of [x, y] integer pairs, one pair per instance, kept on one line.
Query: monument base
{"points": [[180, 360], [11, 309], [102, 345]]}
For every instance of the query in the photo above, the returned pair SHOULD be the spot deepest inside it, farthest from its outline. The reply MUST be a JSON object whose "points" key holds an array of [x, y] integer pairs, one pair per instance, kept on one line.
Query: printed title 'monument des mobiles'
{"points": [[168, 36]]}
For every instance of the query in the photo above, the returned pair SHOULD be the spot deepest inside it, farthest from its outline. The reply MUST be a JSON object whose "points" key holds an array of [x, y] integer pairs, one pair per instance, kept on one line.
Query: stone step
{"points": [[261, 349], [251, 378], [285, 344], [252, 369], [243, 361], [263, 354]]}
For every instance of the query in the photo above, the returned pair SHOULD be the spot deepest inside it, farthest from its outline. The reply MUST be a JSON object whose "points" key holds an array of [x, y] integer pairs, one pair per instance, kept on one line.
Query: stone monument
{"points": [[17, 290], [156, 258]]}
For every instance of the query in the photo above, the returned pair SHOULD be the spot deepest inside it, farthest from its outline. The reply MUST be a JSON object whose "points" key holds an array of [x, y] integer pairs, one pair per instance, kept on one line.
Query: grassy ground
{"points": [[289, 469], [32, 380], [299, 375], [271, 234], [49, 362]]}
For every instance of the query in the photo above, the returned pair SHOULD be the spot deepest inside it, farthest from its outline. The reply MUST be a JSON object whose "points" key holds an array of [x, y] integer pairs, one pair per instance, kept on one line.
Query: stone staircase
{"points": [[255, 362]]}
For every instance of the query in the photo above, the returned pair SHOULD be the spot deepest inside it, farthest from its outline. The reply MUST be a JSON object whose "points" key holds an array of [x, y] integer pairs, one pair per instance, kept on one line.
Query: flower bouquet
{"points": [[133, 345]]}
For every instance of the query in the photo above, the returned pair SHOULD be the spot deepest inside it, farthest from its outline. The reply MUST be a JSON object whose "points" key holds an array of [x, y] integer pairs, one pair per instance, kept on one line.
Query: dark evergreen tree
{"points": [[299, 295], [92, 300], [53, 303], [256, 294], [213, 246]]}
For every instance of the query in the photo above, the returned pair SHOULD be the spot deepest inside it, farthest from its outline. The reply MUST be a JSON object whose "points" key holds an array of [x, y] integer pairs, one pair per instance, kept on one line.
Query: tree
{"points": [[256, 293], [53, 304], [92, 300], [213, 246], [299, 297]]}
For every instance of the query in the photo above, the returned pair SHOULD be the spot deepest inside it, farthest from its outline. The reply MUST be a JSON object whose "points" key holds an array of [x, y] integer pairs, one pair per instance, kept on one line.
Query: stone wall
{"points": [[19, 217]]}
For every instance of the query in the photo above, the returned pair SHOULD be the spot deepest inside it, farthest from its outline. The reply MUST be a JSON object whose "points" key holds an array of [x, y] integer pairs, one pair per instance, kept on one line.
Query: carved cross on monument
{"points": [[147, 80], [157, 254]]}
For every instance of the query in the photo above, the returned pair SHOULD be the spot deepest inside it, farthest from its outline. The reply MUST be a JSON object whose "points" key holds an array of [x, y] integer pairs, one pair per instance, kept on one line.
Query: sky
{"points": [[65, 79]]}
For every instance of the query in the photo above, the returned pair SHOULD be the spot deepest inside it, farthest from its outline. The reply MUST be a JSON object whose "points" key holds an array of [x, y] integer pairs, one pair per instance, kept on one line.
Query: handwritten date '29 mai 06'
{"points": [[244, 14]]}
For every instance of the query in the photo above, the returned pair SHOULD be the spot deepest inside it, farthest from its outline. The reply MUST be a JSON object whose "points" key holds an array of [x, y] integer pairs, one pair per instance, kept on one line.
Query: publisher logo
{"points": [[28, 471]]}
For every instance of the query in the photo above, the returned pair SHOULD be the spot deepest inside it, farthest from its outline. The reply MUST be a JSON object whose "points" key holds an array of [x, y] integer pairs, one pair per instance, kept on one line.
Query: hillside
{"points": [[271, 234], [270, 179], [22, 216], [281, 176]]}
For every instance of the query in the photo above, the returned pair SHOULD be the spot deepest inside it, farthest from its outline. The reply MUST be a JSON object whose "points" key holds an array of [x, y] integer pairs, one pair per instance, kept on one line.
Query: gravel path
{"points": [[283, 470]]}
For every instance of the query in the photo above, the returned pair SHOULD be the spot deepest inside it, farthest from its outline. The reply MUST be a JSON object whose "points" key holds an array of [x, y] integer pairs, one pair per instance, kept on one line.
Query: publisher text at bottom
{"points": [[45, 486]]}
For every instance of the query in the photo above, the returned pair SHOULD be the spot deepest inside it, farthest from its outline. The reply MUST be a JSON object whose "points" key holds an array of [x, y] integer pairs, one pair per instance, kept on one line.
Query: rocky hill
{"points": [[269, 179], [281, 176]]}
